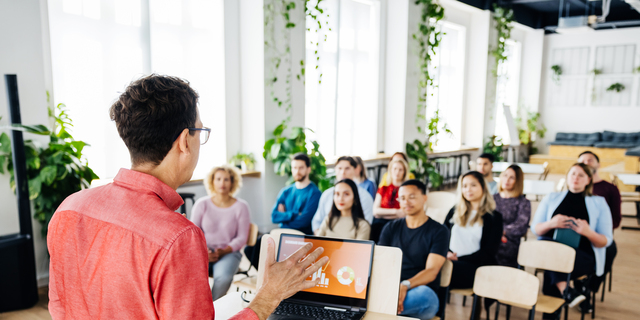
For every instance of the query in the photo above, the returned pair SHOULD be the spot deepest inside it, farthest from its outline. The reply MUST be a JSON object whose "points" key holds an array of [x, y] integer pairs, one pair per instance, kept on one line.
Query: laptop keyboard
{"points": [[315, 312]]}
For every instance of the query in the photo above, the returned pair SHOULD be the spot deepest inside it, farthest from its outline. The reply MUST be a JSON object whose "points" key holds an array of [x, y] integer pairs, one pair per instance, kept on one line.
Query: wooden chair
{"points": [[443, 294], [385, 277], [438, 205], [545, 172], [248, 281], [626, 196], [551, 256], [510, 286]]}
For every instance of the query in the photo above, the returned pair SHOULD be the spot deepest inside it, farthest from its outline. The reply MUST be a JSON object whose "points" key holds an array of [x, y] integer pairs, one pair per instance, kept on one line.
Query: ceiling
{"points": [[544, 13]]}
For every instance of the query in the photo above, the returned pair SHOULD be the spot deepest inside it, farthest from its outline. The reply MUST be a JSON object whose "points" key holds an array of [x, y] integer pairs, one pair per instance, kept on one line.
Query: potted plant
{"points": [[280, 149], [494, 146], [244, 161], [529, 129], [55, 171]]}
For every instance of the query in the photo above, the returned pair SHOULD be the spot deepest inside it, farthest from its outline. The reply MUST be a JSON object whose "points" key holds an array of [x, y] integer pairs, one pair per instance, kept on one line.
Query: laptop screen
{"points": [[344, 280]]}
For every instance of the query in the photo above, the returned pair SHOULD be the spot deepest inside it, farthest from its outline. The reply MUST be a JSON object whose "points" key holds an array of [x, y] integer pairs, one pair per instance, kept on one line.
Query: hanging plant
{"points": [[595, 71], [504, 23], [617, 87], [557, 72], [317, 14]]}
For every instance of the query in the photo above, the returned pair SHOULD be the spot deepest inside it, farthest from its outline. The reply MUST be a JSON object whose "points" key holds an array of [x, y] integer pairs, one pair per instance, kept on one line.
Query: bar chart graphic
{"points": [[323, 278]]}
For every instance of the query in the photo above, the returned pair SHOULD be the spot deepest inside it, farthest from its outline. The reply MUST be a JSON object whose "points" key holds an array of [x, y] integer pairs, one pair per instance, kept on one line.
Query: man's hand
{"points": [[284, 279], [282, 208], [213, 256], [452, 256], [401, 295]]}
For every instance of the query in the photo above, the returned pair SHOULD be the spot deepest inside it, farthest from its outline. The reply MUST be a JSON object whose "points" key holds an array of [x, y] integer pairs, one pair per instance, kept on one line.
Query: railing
{"points": [[450, 168]]}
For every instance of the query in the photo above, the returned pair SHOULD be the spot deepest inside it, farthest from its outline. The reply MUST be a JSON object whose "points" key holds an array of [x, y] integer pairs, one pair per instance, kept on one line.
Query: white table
{"points": [[538, 187], [629, 179], [526, 167], [231, 304]]}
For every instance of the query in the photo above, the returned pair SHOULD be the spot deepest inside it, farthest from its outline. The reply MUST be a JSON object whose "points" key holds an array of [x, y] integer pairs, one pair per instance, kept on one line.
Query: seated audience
{"points": [[386, 206], [295, 206], [476, 230], [345, 169], [225, 222], [385, 181], [611, 194], [346, 219], [589, 216], [424, 244], [516, 213], [484, 165], [360, 177]]}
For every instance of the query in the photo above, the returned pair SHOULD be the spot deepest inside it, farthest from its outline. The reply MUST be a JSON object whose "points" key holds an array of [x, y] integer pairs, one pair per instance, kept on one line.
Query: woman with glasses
{"points": [[225, 221], [386, 206], [346, 219]]}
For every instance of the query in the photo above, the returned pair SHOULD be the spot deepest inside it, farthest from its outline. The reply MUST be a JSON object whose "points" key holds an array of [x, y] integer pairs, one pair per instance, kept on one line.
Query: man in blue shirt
{"points": [[295, 206], [298, 202]]}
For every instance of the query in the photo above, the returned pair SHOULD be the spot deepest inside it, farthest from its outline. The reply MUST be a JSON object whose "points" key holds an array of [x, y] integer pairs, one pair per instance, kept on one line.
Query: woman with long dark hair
{"points": [[346, 219]]}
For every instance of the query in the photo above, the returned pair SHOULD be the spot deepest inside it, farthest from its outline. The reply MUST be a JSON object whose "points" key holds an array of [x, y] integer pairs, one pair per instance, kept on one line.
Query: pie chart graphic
{"points": [[346, 276]]}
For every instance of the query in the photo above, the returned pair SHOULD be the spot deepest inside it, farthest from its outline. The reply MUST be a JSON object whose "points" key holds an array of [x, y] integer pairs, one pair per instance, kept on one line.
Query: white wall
{"points": [[587, 117], [22, 35]]}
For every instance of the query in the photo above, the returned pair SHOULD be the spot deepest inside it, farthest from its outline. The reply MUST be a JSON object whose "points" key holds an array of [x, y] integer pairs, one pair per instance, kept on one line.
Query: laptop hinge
{"points": [[355, 309]]}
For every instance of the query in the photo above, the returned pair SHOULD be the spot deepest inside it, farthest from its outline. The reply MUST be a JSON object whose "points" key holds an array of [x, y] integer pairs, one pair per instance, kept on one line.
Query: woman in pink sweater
{"points": [[225, 221]]}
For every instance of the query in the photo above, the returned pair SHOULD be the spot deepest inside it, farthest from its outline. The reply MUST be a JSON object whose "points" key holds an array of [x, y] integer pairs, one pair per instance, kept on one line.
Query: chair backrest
{"points": [[253, 235], [445, 273], [509, 285], [385, 277], [561, 184], [545, 173], [472, 165], [547, 255], [614, 180], [438, 204]]}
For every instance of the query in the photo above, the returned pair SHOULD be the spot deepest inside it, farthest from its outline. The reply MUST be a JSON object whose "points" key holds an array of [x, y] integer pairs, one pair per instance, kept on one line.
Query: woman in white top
{"points": [[346, 219], [476, 230]]}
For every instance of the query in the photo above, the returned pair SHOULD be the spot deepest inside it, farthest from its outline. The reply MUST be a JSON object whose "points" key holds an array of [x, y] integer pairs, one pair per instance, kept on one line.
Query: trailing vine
{"points": [[504, 23], [428, 38], [280, 51]]}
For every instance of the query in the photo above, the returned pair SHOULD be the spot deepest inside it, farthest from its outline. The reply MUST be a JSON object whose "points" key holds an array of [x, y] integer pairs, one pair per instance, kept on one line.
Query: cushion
{"points": [[613, 144], [564, 136], [583, 143], [633, 137], [633, 152], [619, 137], [607, 135], [595, 137]]}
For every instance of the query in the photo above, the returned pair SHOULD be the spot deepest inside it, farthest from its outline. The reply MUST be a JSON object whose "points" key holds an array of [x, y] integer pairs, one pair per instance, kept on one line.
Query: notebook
{"points": [[567, 236], [343, 290]]}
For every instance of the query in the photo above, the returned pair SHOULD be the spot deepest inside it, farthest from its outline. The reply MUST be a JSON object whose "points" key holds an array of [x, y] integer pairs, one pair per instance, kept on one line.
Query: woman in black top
{"points": [[476, 230]]}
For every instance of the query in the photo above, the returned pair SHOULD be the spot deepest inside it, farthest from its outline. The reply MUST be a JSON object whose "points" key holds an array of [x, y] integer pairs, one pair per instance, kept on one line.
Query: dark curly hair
{"points": [[151, 114]]}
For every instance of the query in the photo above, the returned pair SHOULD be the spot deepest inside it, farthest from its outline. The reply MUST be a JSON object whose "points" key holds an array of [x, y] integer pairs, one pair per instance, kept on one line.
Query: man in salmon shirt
{"points": [[122, 252]]}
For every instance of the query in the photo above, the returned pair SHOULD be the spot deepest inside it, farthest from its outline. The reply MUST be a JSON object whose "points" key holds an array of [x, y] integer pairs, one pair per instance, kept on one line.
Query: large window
{"points": [[446, 96], [507, 89], [99, 46], [343, 110]]}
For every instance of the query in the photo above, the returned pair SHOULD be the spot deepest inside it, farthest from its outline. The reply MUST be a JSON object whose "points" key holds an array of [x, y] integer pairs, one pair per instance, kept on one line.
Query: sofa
{"points": [[606, 139]]}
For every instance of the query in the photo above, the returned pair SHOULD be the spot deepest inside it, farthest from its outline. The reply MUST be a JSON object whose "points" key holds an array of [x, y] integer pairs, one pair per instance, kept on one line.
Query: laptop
{"points": [[343, 290]]}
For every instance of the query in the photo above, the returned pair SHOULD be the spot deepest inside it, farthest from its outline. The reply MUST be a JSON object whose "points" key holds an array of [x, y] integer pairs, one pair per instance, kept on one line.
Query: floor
{"points": [[622, 303]]}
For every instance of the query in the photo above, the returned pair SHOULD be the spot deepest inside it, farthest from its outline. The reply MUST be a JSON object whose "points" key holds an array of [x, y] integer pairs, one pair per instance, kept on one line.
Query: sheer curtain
{"points": [[448, 70], [99, 46], [507, 89], [343, 109]]}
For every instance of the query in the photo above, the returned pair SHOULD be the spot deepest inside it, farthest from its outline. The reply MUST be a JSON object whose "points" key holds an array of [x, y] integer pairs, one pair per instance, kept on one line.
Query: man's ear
{"points": [[182, 141]]}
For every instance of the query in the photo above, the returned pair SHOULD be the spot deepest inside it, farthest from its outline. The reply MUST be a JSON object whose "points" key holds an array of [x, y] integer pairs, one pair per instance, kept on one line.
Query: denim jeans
{"points": [[223, 271], [421, 302]]}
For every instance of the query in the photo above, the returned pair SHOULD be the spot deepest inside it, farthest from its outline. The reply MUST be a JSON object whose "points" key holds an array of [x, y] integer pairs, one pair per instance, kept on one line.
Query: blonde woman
{"points": [[385, 180], [225, 221], [386, 206], [516, 213], [476, 230]]}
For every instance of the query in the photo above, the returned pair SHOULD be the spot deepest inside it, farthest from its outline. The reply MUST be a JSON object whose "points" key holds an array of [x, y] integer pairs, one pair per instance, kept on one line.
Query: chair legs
{"points": [[464, 300], [610, 278], [604, 287], [497, 311], [509, 313], [474, 312]]}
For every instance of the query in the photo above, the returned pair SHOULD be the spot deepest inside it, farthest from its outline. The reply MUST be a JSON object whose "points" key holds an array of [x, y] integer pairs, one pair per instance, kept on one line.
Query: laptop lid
{"points": [[344, 280]]}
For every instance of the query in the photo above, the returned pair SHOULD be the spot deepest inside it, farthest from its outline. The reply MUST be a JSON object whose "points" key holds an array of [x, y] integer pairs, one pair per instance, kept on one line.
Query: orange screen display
{"points": [[347, 272]]}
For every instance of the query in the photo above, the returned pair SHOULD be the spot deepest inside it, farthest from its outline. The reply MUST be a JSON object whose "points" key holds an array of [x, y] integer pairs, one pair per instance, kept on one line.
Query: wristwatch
{"points": [[406, 283]]}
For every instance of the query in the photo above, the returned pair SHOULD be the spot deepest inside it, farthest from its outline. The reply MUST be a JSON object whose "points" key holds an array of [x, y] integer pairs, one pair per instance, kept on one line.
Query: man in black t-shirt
{"points": [[424, 244]]}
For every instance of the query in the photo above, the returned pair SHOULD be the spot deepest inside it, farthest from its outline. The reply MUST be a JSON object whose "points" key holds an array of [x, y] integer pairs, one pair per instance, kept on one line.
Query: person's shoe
{"points": [[585, 306], [573, 297]]}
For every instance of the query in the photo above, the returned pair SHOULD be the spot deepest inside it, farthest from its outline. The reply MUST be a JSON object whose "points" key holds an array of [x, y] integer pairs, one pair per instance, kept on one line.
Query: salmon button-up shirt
{"points": [[121, 252]]}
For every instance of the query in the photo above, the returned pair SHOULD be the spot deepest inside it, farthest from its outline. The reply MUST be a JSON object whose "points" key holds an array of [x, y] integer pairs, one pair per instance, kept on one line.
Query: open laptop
{"points": [[343, 290]]}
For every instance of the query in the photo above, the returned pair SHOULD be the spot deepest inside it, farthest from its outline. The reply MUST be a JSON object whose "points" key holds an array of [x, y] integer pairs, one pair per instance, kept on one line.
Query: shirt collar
{"points": [[148, 182]]}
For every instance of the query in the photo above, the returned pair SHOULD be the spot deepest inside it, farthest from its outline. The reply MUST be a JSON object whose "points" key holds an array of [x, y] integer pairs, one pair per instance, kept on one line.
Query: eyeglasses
{"points": [[204, 133]]}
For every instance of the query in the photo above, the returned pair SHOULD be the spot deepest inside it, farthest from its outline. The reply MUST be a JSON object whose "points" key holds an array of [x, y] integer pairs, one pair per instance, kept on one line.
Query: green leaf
{"points": [[48, 174], [5, 143], [279, 129], [275, 150], [35, 186], [37, 129]]}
